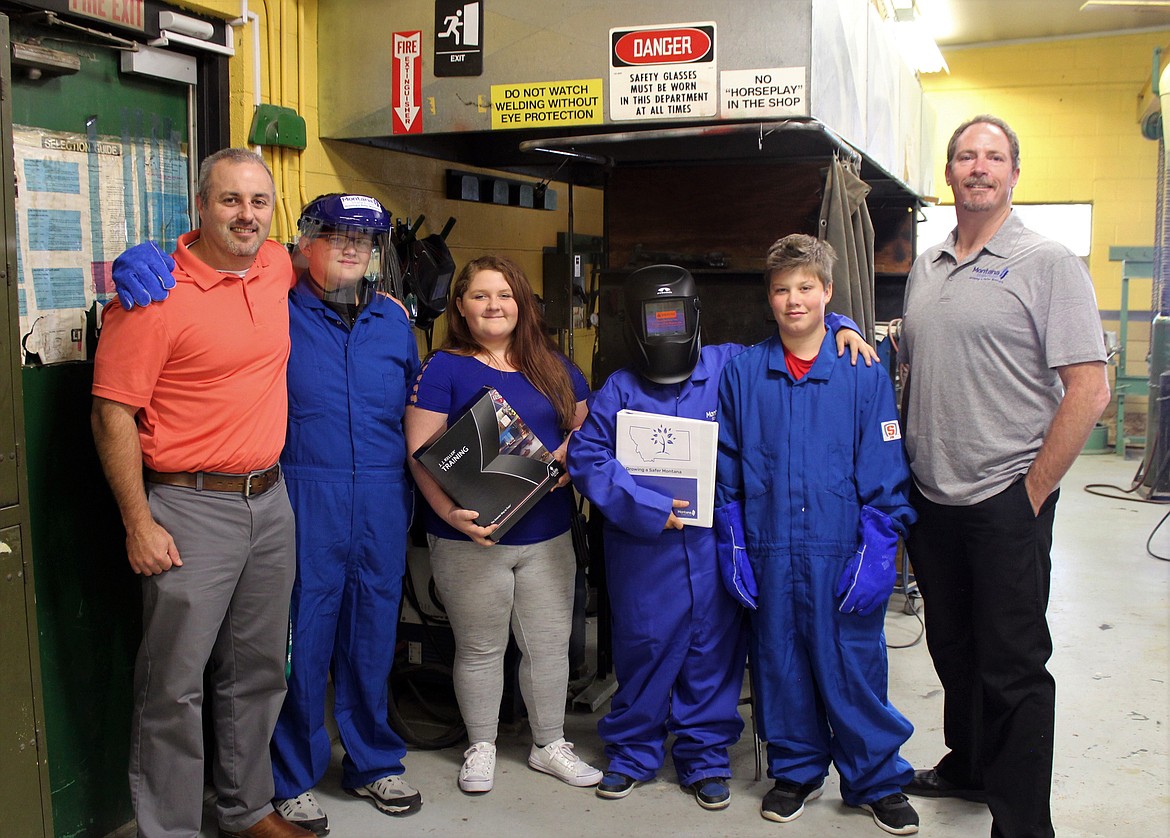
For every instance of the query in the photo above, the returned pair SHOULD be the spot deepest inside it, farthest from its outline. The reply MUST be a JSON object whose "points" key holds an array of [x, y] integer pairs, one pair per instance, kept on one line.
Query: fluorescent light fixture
{"points": [[904, 10], [918, 47], [1125, 3], [912, 36]]}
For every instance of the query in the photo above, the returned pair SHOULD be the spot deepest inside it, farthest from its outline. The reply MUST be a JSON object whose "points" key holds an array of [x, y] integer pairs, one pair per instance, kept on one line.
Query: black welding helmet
{"points": [[662, 322]]}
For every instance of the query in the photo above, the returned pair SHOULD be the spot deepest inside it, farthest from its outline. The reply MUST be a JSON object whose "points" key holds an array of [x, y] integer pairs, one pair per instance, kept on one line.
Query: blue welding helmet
{"points": [[336, 211], [344, 244], [662, 322]]}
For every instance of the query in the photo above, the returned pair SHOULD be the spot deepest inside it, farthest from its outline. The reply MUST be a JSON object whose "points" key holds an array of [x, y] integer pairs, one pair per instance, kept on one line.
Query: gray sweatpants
{"points": [[226, 610], [484, 589]]}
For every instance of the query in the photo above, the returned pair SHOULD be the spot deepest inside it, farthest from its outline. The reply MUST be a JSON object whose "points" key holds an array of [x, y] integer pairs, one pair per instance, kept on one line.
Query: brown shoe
{"points": [[273, 826]]}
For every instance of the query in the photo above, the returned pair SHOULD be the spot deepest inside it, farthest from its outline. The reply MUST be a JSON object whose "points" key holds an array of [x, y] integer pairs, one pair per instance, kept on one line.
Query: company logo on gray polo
{"points": [[989, 274]]}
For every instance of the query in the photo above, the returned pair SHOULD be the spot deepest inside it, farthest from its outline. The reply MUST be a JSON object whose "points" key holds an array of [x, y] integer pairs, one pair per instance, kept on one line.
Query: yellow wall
{"points": [[1075, 105], [408, 185]]}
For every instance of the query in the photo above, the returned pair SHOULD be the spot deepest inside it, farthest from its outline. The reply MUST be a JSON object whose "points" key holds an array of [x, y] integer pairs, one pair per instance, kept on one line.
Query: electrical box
{"points": [[556, 295]]}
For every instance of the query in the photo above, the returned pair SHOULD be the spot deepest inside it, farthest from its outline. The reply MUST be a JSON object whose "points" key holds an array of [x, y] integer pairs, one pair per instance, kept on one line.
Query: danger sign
{"points": [[654, 46], [663, 72]]}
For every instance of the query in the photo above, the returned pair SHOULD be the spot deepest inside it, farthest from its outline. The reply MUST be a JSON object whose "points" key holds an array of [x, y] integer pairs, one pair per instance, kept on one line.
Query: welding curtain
{"points": [[846, 225]]}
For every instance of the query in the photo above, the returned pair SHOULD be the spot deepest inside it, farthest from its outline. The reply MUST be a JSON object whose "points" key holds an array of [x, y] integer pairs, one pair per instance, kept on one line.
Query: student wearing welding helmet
{"points": [[352, 361], [679, 638]]}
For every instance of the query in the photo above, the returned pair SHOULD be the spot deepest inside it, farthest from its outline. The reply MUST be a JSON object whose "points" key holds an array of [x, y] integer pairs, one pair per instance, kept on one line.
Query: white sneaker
{"points": [[557, 758], [305, 812], [479, 768]]}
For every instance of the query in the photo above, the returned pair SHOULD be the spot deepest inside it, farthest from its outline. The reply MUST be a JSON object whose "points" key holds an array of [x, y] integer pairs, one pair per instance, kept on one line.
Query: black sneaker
{"points": [[711, 792], [785, 802], [615, 786], [894, 814]]}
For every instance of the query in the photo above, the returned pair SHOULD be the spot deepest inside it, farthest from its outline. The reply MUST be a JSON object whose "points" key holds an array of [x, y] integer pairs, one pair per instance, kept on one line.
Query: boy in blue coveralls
{"points": [[678, 638], [810, 454]]}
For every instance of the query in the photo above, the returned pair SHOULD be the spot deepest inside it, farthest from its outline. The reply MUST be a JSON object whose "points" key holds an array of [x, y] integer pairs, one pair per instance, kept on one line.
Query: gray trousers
{"points": [[224, 611], [484, 589]]}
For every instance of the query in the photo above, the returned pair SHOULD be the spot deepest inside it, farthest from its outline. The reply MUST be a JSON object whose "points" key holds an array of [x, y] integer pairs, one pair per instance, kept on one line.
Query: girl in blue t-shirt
{"points": [[496, 337]]}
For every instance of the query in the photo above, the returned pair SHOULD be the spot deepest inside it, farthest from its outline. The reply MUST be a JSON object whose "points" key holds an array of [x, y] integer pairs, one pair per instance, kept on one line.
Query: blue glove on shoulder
{"points": [[869, 576], [732, 556], [143, 274]]}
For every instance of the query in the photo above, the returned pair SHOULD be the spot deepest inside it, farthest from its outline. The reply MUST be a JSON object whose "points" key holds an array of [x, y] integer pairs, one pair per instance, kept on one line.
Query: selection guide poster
{"points": [[80, 201]]}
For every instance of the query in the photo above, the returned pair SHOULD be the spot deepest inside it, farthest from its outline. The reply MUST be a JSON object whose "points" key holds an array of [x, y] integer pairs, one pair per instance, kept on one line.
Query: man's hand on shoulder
{"points": [[849, 339]]}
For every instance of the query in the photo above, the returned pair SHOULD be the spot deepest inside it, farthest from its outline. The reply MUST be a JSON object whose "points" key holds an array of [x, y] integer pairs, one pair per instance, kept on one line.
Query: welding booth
{"points": [[789, 116], [711, 129]]}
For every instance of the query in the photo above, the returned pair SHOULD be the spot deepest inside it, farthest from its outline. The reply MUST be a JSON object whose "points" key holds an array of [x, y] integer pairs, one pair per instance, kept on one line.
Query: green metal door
{"points": [[87, 599]]}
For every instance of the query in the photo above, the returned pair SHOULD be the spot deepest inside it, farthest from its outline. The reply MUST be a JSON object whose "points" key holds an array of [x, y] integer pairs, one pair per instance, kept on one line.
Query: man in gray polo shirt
{"points": [[1004, 365]]}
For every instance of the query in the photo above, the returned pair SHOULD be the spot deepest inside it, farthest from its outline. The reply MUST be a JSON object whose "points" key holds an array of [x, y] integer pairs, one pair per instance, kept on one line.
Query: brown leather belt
{"points": [[248, 485]]}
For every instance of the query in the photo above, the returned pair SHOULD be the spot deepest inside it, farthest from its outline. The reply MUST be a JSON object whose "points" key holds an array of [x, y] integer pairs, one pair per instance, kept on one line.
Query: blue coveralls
{"points": [[804, 457], [679, 640], [344, 461]]}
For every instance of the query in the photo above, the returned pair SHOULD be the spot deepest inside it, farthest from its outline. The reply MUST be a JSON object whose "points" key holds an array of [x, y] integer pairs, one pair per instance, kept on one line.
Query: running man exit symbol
{"points": [[463, 26], [458, 38]]}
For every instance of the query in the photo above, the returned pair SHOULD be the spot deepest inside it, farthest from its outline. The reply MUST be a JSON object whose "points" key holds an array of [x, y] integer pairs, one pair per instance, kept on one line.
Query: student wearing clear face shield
{"points": [[339, 237], [352, 362]]}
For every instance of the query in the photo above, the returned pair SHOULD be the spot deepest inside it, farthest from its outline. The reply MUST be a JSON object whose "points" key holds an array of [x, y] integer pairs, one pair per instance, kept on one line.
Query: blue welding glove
{"points": [[869, 576], [732, 556], [143, 274]]}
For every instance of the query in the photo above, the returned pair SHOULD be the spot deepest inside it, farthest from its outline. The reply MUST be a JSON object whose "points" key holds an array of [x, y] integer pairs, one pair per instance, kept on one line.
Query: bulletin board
{"points": [[80, 201]]}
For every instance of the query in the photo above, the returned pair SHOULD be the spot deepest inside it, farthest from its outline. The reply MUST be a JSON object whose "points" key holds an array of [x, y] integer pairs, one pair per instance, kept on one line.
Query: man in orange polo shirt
{"points": [[193, 397]]}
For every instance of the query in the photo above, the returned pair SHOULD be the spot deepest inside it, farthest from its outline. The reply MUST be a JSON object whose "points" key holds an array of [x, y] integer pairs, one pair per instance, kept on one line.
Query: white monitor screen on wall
{"points": [[1069, 224]]}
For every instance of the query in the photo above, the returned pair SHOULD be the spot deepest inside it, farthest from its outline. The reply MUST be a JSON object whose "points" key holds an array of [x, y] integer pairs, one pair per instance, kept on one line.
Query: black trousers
{"points": [[984, 571]]}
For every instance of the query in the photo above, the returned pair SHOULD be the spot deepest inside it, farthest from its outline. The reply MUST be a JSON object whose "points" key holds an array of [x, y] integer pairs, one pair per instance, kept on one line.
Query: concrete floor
{"points": [[1109, 621]]}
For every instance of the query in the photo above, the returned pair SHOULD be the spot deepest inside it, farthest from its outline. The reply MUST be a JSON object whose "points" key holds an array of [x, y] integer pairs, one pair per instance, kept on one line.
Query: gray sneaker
{"points": [[391, 794], [304, 811]]}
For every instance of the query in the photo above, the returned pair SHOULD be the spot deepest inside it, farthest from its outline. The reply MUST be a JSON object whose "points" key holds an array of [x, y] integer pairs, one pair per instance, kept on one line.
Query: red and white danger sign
{"points": [[407, 95], [663, 72]]}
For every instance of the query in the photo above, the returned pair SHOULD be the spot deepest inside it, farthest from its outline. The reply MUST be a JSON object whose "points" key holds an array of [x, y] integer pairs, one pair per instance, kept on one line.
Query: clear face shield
{"points": [[345, 253], [346, 264]]}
